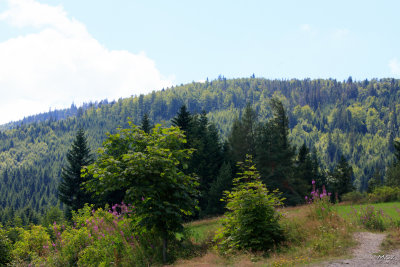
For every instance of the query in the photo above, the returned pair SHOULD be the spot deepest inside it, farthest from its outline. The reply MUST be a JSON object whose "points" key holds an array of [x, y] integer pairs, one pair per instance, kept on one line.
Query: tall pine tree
{"points": [[70, 190], [145, 125]]}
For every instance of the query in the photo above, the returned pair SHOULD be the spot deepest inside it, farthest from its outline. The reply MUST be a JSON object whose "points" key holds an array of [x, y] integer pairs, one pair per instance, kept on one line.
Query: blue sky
{"points": [[55, 52]]}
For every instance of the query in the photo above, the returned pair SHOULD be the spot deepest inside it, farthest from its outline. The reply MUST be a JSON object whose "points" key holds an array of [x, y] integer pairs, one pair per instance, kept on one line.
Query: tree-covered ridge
{"points": [[355, 119]]}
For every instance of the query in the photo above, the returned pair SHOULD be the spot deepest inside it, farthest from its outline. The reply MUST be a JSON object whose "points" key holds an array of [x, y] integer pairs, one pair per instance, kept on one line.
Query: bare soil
{"points": [[366, 253]]}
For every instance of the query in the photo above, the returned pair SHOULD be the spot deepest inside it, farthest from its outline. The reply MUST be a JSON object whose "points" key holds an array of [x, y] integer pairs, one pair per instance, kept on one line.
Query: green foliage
{"points": [[96, 238], [70, 190], [32, 244], [320, 203], [5, 247], [33, 151], [145, 124], [340, 180], [145, 169], [203, 137], [371, 218], [393, 175], [355, 197], [251, 221], [54, 214], [384, 194], [242, 137], [221, 184]]}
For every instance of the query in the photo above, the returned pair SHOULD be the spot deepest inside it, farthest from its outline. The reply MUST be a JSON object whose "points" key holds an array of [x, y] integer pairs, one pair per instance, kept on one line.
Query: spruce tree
{"points": [[70, 190], [183, 120], [341, 178], [242, 137], [222, 183], [145, 125]]}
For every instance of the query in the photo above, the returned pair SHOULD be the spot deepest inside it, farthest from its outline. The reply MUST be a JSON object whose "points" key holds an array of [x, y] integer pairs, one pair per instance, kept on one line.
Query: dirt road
{"points": [[365, 253]]}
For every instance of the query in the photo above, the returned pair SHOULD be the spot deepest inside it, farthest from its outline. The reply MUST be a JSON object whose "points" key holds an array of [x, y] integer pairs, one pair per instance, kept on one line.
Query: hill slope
{"points": [[356, 119]]}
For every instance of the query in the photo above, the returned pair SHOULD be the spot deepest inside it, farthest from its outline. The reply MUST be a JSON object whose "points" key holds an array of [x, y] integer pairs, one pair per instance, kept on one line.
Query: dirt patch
{"points": [[365, 254]]}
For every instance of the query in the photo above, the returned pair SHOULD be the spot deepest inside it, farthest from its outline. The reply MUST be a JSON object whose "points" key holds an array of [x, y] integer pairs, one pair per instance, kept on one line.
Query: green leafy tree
{"points": [[251, 222], [70, 190], [145, 168], [5, 247]]}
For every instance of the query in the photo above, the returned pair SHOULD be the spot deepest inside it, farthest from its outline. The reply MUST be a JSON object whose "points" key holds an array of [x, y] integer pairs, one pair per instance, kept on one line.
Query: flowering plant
{"points": [[319, 202]]}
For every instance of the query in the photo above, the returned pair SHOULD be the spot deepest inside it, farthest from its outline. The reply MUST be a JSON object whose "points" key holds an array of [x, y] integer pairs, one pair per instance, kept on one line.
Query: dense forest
{"points": [[335, 122]]}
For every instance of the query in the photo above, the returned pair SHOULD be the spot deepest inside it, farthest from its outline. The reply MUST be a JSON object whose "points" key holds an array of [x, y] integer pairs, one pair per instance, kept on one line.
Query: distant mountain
{"points": [[55, 115], [357, 119]]}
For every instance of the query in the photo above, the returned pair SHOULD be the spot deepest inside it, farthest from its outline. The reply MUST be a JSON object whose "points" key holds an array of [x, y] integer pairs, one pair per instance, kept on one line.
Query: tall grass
{"points": [[379, 216]]}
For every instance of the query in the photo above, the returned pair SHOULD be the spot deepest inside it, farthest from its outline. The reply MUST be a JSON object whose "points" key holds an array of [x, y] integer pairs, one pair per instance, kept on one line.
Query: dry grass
{"points": [[391, 242], [309, 240], [212, 259]]}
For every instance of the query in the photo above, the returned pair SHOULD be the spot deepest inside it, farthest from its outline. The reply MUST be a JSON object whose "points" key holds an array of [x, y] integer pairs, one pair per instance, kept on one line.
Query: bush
{"points": [[384, 194], [96, 238], [251, 222], [371, 219], [355, 197], [5, 247], [32, 244]]}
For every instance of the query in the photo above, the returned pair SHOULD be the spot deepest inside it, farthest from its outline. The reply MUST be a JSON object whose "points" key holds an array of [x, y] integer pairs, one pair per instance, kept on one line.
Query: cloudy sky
{"points": [[56, 52]]}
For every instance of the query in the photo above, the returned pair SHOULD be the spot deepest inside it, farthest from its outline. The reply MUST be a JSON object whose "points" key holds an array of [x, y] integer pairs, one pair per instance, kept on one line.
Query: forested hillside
{"points": [[357, 120]]}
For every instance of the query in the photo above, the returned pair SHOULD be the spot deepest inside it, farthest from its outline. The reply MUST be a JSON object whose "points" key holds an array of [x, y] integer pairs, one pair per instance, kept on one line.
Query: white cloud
{"points": [[305, 28], [340, 34], [394, 66], [62, 63]]}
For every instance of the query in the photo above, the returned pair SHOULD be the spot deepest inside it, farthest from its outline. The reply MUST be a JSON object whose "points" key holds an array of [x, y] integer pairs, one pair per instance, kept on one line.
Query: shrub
{"points": [[251, 222], [100, 238], [384, 194], [32, 244], [371, 219], [355, 197], [5, 247]]}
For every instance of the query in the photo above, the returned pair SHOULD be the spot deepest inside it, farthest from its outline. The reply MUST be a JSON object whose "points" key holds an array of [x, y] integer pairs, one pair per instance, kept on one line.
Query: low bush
{"points": [[355, 197], [32, 244], [251, 222], [371, 218], [384, 194], [96, 238]]}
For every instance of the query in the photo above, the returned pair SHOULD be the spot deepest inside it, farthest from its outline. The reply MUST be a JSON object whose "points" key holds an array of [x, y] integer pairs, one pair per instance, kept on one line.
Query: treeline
{"points": [[356, 120]]}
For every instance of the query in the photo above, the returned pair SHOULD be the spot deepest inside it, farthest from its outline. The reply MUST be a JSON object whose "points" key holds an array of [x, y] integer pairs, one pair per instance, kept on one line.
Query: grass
{"points": [[391, 242], [389, 209], [309, 240], [202, 231]]}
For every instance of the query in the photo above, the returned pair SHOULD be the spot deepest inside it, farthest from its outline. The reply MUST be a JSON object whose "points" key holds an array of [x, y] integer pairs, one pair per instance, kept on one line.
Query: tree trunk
{"points": [[164, 248]]}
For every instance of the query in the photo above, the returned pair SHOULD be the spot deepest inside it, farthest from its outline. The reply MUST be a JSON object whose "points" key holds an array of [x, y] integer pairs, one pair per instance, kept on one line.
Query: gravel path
{"points": [[364, 253]]}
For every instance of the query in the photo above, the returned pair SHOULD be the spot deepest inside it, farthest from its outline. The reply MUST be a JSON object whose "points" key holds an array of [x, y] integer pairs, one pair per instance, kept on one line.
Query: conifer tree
{"points": [[183, 120], [70, 190], [341, 178], [145, 125], [222, 183], [243, 135]]}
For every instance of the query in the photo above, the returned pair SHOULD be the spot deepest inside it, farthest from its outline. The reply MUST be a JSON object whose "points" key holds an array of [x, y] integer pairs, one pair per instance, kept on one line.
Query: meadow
{"points": [[392, 209], [310, 239]]}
